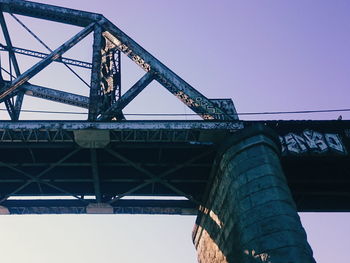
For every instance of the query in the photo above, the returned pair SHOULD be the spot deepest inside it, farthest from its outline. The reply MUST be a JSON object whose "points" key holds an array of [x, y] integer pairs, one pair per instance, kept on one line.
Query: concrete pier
{"points": [[249, 214]]}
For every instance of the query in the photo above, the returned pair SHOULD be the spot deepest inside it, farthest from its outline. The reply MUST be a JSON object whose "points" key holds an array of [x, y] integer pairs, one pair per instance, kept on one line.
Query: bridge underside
{"points": [[82, 164]]}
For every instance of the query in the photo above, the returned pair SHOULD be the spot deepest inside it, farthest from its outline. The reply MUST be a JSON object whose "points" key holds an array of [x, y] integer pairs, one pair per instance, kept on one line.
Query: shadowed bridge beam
{"points": [[54, 95], [167, 207], [95, 175], [127, 125], [35, 179], [155, 178]]}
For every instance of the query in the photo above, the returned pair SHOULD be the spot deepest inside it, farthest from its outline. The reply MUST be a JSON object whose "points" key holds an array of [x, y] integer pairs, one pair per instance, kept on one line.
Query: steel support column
{"points": [[95, 175], [95, 89]]}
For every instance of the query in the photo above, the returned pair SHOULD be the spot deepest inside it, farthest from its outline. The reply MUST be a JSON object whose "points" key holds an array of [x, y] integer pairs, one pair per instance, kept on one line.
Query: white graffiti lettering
{"points": [[334, 142], [311, 142]]}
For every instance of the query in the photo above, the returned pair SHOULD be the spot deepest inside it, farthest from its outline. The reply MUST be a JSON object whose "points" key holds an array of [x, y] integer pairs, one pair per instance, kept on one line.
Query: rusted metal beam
{"points": [[127, 97], [95, 89], [167, 78], [23, 78], [56, 95], [49, 12], [13, 110], [47, 47], [37, 54], [126, 125], [53, 95], [62, 206]]}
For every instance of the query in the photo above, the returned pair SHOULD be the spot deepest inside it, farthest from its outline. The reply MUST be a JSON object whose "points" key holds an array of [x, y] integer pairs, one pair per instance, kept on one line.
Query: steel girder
{"points": [[104, 31], [149, 158]]}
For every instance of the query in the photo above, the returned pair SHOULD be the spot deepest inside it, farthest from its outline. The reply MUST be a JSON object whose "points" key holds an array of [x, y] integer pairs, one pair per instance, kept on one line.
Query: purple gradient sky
{"points": [[265, 55]]}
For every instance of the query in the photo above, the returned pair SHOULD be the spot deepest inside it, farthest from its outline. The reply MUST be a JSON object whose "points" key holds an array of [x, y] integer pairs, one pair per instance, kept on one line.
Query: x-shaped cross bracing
{"points": [[96, 179]]}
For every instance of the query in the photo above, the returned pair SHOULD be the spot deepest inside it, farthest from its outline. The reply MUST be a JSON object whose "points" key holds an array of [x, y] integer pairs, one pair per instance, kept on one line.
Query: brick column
{"points": [[249, 215]]}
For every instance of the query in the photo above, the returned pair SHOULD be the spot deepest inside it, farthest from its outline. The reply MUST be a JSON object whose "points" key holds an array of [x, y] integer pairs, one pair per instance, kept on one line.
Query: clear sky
{"points": [[266, 55]]}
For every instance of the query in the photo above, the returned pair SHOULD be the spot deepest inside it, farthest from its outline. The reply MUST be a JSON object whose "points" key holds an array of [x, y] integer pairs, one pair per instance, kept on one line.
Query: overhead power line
{"points": [[193, 114]]}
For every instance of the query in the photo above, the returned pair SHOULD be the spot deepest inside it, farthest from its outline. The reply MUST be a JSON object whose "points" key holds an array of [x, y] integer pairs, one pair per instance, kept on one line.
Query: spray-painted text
{"points": [[311, 142]]}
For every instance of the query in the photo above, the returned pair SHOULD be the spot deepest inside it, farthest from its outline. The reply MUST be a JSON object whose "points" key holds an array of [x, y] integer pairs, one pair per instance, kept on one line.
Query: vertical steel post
{"points": [[95, 75]]}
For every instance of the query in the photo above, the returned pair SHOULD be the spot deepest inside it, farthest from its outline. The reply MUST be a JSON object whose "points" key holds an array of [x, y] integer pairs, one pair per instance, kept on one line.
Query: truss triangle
{"points": [[105, 101]]}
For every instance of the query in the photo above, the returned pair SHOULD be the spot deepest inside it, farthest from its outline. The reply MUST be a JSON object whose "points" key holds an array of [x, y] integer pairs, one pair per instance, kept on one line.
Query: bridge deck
{"points": [[157, 158]]}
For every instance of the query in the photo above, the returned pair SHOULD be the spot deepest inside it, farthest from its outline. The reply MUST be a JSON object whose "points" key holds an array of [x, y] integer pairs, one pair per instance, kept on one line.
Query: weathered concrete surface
{"points": [[250, 215]]}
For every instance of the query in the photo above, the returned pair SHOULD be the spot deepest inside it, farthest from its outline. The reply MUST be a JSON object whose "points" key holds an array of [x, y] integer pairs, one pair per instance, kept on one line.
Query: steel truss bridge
{"points": [[92, 166]]}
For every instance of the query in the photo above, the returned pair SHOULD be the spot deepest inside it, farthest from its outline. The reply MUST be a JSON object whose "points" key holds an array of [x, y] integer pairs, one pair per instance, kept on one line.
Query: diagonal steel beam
{"points": [[10, 109], [37, 54], [179, 192], [47, 47], [56, 95], [33, 179], [95, 175], [45, 62], [13, 110], [15, 191], [53, 95], [167, 78], [52, 166], [187, 163], [127, 97], [156, 178], [36, 178], [133, 190], [131, 163], [9, 44]]}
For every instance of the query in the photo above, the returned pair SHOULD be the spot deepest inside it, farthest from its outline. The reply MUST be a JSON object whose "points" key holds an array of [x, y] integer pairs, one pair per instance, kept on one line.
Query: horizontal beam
{"points": [[49, 12], [52, 95], [56, 95], [79, 181], [154, 207], [104, 164], [38, 54], [125, 125]]}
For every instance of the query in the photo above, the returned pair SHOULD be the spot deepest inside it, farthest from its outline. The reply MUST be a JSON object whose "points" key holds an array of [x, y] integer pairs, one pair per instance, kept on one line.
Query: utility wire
{"points": [[7, 72], [189, 114], [47, 47]]}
